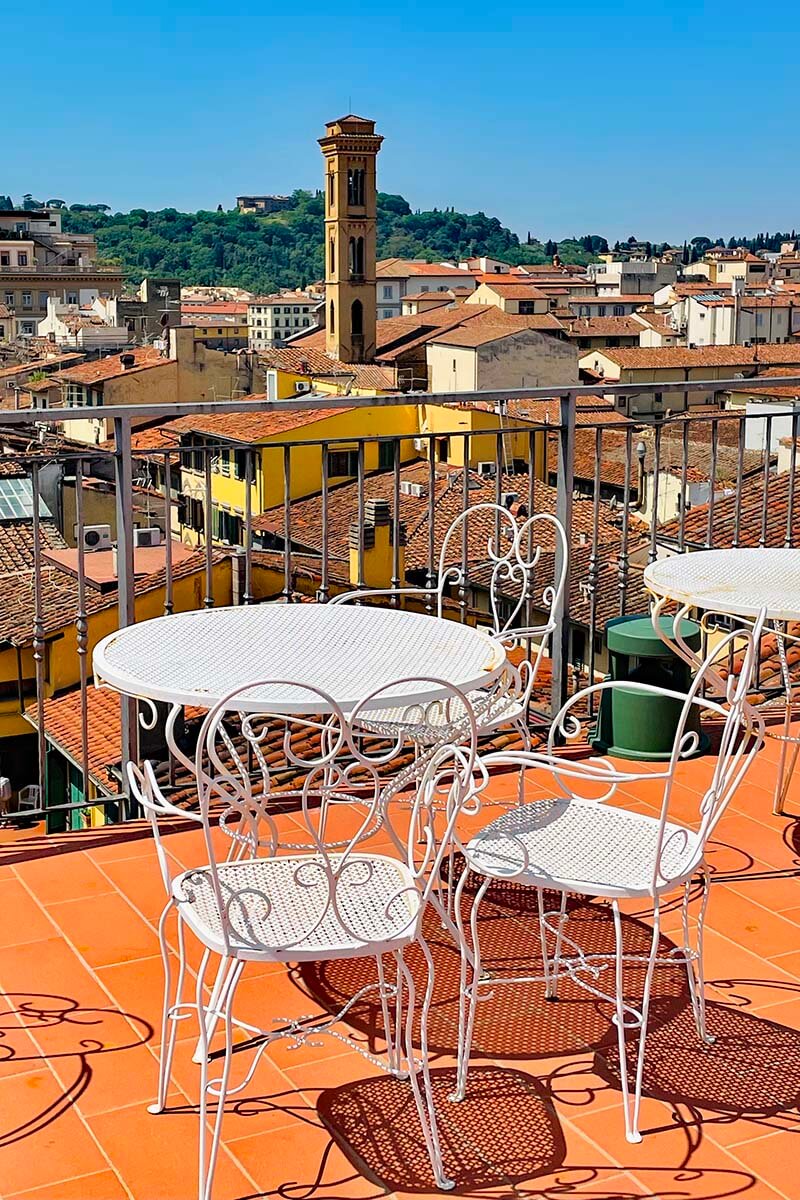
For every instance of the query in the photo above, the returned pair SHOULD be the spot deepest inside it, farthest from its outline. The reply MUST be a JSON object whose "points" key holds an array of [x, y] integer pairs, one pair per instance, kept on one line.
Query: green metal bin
{"points": [[633, 725]]}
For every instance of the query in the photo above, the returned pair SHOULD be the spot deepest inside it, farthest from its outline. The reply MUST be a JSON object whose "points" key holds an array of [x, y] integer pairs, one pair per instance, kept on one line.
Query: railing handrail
{"points": [[165, 412]]}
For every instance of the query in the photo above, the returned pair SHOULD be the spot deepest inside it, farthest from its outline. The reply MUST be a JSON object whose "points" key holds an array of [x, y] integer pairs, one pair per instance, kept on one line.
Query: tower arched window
{"points": [[355, 186], [332, 318], [333, 257], [356, 257], [357, 319], [331, 191]]}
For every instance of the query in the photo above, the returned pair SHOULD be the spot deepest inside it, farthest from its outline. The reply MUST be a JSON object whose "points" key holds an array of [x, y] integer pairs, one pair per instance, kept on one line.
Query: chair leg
{"points": [[522, 727], [634, 1019], [553, 968], [696, 975], [423, 1097], [171, 1010], [467, 1020], [215, 1003], [208, 1154], [392, 1050]]}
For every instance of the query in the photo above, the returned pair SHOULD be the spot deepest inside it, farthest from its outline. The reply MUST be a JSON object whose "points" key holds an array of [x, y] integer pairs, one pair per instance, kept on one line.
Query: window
{"points": [[27, 300], [240, 464], [601, 310], [22, 259], [331, 189], [296, 309], [355, 186], [386, 313], [224, 462], [356, 258], [72, 297], [10, 299], [332, 325], [43, 299], [5, 259], [227, 526], [424, 288], [618, 310], [342, 462], [305, 321], [387, 291], [357, 319], [194, 514], [333, 257]]}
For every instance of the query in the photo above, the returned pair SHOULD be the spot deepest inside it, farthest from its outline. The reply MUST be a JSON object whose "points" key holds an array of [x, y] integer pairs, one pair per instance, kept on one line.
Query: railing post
{"points": [[123, 467], [565, 483]]}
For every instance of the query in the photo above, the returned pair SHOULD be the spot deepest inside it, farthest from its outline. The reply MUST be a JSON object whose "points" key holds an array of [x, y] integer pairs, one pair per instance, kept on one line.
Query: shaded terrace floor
{"points": [[81, 983]]}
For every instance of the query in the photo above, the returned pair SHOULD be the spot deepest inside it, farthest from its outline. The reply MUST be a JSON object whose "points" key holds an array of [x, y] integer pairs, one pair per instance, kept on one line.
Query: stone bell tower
{"points": [[350, 148]]}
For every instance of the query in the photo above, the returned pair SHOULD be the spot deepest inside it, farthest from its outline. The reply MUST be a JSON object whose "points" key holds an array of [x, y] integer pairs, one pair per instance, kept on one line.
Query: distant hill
{"points": [[265, 253]]}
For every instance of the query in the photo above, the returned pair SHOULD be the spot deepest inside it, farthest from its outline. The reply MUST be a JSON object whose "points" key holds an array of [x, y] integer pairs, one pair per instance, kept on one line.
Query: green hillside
{"points": [[265, 253]]}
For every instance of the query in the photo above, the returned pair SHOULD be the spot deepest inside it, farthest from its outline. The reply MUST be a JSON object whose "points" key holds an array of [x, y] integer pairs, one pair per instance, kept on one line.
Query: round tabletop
{"points": [[739, 582], [346, 651]]}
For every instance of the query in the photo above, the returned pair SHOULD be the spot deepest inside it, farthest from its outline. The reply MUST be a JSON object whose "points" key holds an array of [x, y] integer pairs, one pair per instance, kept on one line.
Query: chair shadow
{"points": [[750, 1073], [62, 1030], [513, 1022], [504, 1132]]}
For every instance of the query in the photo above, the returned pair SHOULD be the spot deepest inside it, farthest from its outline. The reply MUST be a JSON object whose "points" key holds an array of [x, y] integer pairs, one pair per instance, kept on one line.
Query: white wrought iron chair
{"points": [[572, 844], [297, 887], [507, 571]]}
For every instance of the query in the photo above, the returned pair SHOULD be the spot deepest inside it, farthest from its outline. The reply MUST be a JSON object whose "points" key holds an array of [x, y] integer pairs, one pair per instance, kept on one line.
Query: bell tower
{"points": [[350, 148]]}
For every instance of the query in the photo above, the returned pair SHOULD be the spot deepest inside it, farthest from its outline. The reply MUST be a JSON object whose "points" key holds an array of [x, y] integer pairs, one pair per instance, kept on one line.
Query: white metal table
{"points": [[738, 583], [199, 657]]}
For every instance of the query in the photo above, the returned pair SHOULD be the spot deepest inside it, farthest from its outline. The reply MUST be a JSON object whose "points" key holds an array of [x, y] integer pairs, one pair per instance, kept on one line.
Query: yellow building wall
{"points": [[306, 461], [62, 661], [442, 420]]}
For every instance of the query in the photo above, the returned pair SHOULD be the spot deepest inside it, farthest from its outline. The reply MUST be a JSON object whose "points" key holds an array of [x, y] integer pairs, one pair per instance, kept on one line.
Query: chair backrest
{"points": [[30, 797], [740, 735], [160, 812], [523, 567], [307, 789]]}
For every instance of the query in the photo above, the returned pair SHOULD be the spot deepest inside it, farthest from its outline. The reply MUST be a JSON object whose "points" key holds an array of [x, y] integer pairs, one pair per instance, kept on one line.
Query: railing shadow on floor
{"points": [[37, 1029]]}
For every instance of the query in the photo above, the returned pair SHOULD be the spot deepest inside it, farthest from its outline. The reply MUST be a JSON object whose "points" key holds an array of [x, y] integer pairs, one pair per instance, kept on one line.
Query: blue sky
{"points": [[661, 120]]}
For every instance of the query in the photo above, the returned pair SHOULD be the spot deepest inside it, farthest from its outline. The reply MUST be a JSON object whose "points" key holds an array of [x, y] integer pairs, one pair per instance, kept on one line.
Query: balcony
{"points": [[79, 964]]}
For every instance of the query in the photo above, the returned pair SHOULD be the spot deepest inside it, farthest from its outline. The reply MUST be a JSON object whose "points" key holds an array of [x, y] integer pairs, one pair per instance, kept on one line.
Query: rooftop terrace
{"points": [[81, 980]]}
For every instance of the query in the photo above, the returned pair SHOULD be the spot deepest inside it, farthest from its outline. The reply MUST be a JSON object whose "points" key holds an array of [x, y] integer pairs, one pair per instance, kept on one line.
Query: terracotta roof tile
{"points": [[647, 358], [110, 367]]}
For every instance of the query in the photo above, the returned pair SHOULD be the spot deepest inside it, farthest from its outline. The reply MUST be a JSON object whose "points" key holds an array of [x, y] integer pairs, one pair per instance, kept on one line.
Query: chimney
{"points": [[377, 539], [127, 360]]}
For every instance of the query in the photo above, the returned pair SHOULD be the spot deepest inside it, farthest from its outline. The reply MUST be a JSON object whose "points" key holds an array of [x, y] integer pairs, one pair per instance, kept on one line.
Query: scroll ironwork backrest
{"points": [[740, 730], [306, 792]]}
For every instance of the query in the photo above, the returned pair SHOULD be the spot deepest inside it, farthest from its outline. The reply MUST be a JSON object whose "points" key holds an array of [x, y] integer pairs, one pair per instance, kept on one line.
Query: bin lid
{"points": [[634, 635]]}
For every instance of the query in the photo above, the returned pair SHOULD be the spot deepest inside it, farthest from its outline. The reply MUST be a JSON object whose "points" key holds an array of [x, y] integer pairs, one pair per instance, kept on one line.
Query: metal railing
{"points": [[625, 491]]}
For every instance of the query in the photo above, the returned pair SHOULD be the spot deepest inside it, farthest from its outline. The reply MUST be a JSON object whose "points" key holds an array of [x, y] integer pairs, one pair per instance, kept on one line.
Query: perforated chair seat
{"points": [[285, 909], [583, 846], [490, 711]]}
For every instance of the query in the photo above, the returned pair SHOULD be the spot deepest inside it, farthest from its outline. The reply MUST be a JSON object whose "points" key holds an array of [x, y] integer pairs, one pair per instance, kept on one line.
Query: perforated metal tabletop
{"points": [[739, 582], [348, 652]]}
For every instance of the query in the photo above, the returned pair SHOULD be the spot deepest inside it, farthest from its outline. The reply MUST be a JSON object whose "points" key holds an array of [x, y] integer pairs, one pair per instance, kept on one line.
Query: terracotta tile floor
{"points": [[81, 994]]}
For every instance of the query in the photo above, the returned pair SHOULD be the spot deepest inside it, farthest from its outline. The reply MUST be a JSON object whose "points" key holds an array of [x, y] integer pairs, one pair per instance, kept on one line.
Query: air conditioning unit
{"points": [[420, 443], [488, 469], [96, 537], [407, 488], [150, 536], [508, 498]]}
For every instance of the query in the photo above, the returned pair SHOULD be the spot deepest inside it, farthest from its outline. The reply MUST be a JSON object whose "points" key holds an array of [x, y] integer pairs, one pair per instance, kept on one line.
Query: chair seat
{"points": [[583, 846], [286, 909], [490, 711]]}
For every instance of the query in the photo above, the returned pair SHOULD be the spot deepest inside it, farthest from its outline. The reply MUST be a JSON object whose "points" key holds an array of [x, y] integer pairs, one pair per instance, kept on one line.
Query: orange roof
{"points": [[252, 427], [214, 307], [401, 268], [602, 327], [642, 358], [111, 367], [493, 324]]}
